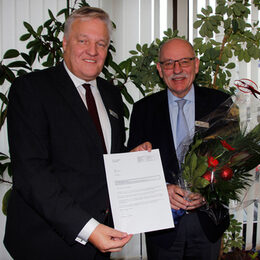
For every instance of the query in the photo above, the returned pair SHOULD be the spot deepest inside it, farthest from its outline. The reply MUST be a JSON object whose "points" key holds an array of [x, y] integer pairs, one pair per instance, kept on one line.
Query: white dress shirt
{"points": [[86, 231]]}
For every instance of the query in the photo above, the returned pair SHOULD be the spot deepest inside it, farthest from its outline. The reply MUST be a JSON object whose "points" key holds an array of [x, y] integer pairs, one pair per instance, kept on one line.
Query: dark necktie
{"points": [[182, 132], [92, 109]]}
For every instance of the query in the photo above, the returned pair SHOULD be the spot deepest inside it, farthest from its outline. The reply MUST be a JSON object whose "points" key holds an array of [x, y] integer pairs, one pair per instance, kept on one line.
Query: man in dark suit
{"points": [[154, 118], [59, 206]]}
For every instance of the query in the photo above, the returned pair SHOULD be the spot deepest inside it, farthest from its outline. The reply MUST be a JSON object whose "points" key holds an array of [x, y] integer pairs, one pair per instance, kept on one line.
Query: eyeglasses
{"points": [[170, 64]]}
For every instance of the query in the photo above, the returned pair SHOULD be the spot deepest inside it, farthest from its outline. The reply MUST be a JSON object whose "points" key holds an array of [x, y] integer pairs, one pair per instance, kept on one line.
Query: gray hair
{"points": [[87, 12]]}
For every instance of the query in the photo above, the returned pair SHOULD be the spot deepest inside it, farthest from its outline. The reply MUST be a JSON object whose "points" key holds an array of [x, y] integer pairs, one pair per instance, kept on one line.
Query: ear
{"points": [[64, 43], [159, 68], [197, 65]]}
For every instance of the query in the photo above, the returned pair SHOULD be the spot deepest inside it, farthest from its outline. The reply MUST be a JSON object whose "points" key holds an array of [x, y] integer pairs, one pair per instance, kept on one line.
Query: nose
{"points": [[177, 67], [91, 49]]}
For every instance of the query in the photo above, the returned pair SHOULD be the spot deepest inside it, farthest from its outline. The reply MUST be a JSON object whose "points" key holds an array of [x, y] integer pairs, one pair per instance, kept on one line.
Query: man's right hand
{"points": [[176, 196], [107, 239]]}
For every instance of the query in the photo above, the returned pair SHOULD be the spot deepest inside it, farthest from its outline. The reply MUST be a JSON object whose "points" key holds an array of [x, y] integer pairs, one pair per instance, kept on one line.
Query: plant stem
{"points": [[226, 36], [5, 181]]}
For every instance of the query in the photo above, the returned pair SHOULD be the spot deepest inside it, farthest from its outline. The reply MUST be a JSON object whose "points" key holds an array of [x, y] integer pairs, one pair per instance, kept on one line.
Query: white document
{"points": [[137, 191]]}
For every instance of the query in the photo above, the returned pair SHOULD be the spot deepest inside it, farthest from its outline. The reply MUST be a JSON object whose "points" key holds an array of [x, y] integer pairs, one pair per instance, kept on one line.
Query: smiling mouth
{"points": [[178, 78], [90, 61]]}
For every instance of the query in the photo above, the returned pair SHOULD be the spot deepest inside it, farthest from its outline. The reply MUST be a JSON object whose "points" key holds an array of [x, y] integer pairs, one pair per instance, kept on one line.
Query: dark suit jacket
{"points": [[57, 162], [150, 121]]}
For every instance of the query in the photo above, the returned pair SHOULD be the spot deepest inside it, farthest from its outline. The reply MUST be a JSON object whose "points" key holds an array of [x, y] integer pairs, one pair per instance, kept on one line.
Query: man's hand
{"points": [[177, 197], [147, 146], [107, 239], [195, 201]]}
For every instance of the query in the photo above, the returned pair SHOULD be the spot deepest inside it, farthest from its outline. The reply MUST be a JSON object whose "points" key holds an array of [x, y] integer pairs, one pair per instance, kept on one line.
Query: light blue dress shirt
{"points": [[189, 111]]}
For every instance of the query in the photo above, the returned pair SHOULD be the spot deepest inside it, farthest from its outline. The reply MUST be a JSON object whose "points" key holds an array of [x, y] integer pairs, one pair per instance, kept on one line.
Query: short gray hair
{"points": [[87, 12]]}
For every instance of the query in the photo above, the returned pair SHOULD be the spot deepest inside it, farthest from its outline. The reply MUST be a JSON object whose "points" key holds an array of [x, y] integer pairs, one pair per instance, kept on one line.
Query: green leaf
{"points": [[237, 10], [5, 201], [21, 72], [47, 23], [204, 11], [4, 99], [33, 43], [25, 37], [201, 182], [39, 30], [231, 65], [126, 111], [29, 28], [26, 57], [234, 25], [3, 167], [9, 170], [200, 16], [51, 15], [2, 79], [9, 75], [133, 52], [197, 24], [220, 9], [127, 96], [62, 11], [12, 53], [3, 156], [138, 47], [247, 57], [229, 73], [201, 169], [117, 69], [227, 23], [193, 162], [16, 64]]}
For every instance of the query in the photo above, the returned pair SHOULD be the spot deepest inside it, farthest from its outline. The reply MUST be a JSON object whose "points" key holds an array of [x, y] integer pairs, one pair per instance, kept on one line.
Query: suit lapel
{"points": [[199, 104], [165, 132], [164, 122], [69, 92], [107, 98]]}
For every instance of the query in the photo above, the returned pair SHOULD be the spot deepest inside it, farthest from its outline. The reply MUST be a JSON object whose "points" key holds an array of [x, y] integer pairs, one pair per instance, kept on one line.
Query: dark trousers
{"points": [[189, 244]]}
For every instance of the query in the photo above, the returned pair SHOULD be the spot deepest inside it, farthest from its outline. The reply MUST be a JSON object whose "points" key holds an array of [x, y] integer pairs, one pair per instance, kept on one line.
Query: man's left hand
{"points": [[195, 201]]}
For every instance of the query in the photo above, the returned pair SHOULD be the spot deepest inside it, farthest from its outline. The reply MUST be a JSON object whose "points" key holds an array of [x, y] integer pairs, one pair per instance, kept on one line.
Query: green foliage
{"points": [[143, 61], [240, 40], [225, 35], [44, 47], [194, 167], [232, 237], [5, 167], [5, 201]]}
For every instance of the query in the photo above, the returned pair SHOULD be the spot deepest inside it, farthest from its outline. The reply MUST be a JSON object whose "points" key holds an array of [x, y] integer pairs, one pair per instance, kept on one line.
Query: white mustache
{"points": [[178, 76]]}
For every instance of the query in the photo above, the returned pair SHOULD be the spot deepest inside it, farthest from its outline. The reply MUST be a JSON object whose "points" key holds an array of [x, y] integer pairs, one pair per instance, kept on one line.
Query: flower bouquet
{"points": [[219, 159]]}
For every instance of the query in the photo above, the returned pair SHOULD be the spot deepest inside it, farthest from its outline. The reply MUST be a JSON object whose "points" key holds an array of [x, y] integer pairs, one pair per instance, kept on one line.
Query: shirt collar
{"points": [[78, 81], [189, 97]]}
